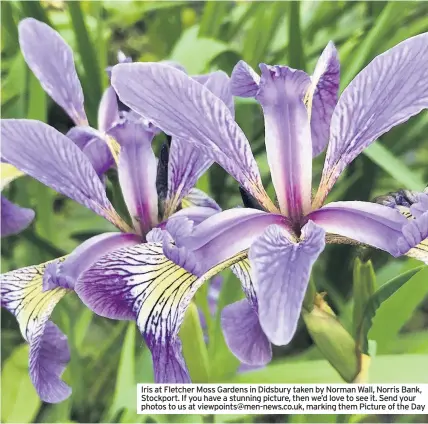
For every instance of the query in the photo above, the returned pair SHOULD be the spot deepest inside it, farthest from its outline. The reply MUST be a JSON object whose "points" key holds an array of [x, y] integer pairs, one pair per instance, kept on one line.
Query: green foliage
{"points": [[19, 401], [389, 308], [364, 284], [194, 349], [109, 357]]}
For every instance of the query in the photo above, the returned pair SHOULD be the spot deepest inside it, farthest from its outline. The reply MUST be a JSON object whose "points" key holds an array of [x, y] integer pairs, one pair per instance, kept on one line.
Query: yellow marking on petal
{"points": [[8, 174], [114, 147], [186, 203], [116, 220], [420, 251], [308, 99], [23, 295], [163, 290], [262, 197]]}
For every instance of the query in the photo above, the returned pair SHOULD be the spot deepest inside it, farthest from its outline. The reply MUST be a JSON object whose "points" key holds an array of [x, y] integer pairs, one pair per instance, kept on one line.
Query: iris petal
{"points": [[14, 219], [51, 60], [368, 223], [22, 294], [287, 137], [47, 155], [281, 268], [388, 91]]}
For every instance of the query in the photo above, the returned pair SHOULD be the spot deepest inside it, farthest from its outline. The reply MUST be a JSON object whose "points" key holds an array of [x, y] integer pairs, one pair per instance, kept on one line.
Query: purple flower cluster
{"points": [[150, 269]]}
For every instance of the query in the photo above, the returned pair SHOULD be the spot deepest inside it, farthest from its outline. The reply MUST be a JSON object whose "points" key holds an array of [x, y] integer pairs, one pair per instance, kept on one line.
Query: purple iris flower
{"points": [[45, 154], [302, 115]]}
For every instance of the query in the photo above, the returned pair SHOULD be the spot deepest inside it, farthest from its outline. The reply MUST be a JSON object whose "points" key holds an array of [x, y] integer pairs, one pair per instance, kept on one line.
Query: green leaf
{"points": [[296, 56], [81, 326], [382, 157], [364, 285], [391, 306], [361, 53], [13, 86], [384, 369], [36, 100], [194, 349], [195, 53], [20, 401], [35, 10], [257, 41], [8, 26], [223, 363], [124, 393], [212, 18], [88, 55]]}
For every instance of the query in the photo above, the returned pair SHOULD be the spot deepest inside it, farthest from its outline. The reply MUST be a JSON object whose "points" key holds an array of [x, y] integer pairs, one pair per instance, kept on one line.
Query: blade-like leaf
{"points": [[88, 54], [391, 306], [20, 401], [124, 394], [212, 18], [194, 350], [296, 56], [382, 157], [196, 53]]}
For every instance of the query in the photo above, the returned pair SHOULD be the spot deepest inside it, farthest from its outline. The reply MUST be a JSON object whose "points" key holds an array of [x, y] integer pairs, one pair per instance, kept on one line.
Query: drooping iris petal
{"points": [[368, 223], [244, 80], [50, 157], [137, 173], [244, 335], [51, 60], [322, 97], [414, 241], [168, 362], [388, 91], [155, 288], [287, 136], [255, 348], [243, 271], [227, 233], [14, 219], [22, 294], [198, 198], [192, 113], [108, 110], [65, 273], [281, 267], [187, 164]]}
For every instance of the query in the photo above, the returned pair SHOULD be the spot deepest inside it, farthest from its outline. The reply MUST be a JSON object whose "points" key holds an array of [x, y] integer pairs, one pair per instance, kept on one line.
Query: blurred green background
{"points": [[108, 357]]}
